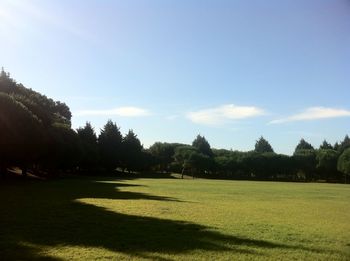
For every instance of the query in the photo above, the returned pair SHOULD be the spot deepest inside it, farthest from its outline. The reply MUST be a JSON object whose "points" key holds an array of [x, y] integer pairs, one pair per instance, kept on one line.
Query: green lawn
{"points": [[167, 219]]}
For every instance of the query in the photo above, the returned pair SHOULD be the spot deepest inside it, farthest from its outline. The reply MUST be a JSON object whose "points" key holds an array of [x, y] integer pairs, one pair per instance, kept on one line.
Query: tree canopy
{"points": [[110, 143], [262, 146], [202, 145], [303, 145], [343, 164]]}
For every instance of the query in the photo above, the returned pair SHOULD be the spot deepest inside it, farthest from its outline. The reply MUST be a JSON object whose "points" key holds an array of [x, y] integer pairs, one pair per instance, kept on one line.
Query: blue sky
{"points": [[229, 70]]}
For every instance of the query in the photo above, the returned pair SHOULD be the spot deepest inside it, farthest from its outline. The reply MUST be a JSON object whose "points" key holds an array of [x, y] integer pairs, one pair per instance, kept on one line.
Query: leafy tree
{"points": [[21, 132], [183, 156], [305, 163], [344, 144], [110, 146], [50, 112], [326, 160], [326, 146], [202, 145], [199, 163], [262, 146], [88, 140], [163, 154], [343, 164], [303, 145]]}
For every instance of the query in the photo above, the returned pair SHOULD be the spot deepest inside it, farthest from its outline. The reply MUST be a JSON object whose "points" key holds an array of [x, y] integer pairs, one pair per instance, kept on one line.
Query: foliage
{"points": [[305, 163], [110, 146], [88, 141], [163, 154], [21, 133], [344, 144], [326, 146], [303, 145], [262, 146], [343, 164], [131, 151], [327, 164], [202, 145]]}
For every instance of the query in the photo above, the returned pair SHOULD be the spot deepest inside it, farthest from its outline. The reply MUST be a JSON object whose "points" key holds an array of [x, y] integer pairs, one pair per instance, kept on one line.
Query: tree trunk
{"points": [[182, 173]]}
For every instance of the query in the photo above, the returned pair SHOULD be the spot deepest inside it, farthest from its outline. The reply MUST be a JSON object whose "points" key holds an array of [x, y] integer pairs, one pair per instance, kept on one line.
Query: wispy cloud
{"points": [[314, 113], [129, 111], [22, 15], [224, 113]]}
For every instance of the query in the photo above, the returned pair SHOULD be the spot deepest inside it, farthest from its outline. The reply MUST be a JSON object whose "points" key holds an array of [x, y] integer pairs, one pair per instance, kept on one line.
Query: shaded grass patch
{"points": [[166, 219]]}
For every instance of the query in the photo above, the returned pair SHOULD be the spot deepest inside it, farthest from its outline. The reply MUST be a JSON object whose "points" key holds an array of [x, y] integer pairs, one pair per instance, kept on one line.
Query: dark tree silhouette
{"points": [[88, 141], [262, 146], [163, 154], [303, 145], [326, 161], [344, 144], [202, 145], [132, 158], [110, 146], [21, 134], [326, 146]]}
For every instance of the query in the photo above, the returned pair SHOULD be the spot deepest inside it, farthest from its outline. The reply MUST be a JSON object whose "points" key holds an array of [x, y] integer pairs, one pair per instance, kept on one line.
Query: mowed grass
{"points": [[173, 219]]}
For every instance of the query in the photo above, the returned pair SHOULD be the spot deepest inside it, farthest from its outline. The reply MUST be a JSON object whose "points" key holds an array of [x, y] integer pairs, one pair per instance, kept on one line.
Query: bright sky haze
{"points": [[229, 70]]}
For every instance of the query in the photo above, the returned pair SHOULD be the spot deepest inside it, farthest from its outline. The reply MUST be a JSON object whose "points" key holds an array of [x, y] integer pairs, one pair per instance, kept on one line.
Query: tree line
{"points": [[36, 135], [327, 163]]}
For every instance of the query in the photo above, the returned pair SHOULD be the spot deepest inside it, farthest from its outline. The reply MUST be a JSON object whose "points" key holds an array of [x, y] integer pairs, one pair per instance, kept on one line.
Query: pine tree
{"points": [[262, 146]]}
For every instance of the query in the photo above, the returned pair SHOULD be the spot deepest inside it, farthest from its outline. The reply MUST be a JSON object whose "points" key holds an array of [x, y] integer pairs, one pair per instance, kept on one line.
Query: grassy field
{"points": [[173, 219]]}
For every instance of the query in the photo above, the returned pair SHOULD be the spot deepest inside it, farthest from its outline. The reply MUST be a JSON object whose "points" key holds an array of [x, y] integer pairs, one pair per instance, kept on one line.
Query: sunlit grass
{"points": [[170, 219]]}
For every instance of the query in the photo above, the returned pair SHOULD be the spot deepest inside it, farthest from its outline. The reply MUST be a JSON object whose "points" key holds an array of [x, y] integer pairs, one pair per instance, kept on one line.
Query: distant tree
{"points": [[110, 146], [230, 164], [344, 144], [284, 167], [262, 146], [88, 140], [303, 145], [132, 148], [163, 154], [326, 146], [199, 163], [202, 145], [305, 163], [146, 161], [183, 155], [326, 160], [336, 146], [344, 163]]}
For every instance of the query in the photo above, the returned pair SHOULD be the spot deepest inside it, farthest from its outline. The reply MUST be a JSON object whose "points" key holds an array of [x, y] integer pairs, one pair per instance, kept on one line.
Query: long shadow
{"points": [[38, 214]]}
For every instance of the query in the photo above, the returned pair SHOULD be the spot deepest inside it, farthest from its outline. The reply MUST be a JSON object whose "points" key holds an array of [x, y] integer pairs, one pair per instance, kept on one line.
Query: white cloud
{"points": [[314, 113], [221, 114], [121, 111]]}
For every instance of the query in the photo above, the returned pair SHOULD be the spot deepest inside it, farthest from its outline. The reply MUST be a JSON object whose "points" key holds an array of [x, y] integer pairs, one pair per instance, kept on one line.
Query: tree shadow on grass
{"points": [[48, 214]]}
